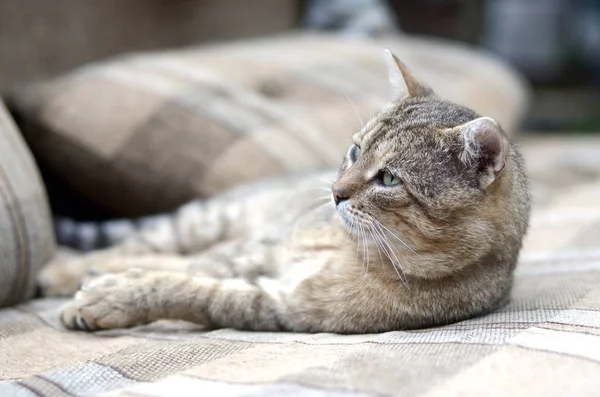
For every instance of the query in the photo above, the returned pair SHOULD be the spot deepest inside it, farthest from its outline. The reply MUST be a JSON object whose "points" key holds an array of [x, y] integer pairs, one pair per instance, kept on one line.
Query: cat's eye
{"points": [[389, 179], [354, 153]]}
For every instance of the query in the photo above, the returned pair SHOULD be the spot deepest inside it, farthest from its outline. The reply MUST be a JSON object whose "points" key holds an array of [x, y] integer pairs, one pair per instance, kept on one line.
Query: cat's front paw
{"points": [[107, 302]]}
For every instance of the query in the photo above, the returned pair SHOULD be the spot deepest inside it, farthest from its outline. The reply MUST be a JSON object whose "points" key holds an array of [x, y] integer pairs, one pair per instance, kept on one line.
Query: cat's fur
{"points": [[439, 247]]}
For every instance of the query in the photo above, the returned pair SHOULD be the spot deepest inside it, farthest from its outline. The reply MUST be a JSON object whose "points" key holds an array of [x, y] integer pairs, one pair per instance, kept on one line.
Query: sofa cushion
{"points": [[145, 133], [26, 236]]}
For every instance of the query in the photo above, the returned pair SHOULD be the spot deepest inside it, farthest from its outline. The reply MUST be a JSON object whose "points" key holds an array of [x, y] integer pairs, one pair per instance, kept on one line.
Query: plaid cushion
{"points": [[145, 133], [544, 343], [26, 238]]}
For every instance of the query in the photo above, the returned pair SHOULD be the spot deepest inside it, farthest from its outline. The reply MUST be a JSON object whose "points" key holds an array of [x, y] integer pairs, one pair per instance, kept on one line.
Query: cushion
{"points": [[26, 235], [144, 133], [543, 343]]}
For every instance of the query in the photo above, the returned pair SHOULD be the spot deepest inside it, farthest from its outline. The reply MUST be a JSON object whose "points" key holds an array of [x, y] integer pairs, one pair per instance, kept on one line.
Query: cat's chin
{"points": [[345, 217], [347, 221]]}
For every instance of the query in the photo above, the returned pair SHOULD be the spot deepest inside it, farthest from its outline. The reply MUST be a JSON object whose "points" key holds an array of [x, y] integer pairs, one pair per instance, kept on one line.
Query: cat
{"points": [[422, 227]]}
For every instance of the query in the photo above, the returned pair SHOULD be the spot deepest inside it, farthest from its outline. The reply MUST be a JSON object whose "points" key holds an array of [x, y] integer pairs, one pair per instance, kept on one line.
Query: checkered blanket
{"points": [[546, 342]]}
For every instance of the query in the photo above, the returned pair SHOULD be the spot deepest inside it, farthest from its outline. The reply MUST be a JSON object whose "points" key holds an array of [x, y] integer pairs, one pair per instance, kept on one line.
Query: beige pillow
{"points": [[144, 133], [26, 236]]}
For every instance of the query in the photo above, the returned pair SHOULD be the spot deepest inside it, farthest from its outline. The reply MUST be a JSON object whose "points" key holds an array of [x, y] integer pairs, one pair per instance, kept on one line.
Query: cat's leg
{"points": [[335, 301], [137, 297]]}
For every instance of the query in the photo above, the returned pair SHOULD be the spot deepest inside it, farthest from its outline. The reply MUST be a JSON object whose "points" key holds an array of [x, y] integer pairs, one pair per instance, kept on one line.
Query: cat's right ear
{"points": [[404, 83], [484, 142]]}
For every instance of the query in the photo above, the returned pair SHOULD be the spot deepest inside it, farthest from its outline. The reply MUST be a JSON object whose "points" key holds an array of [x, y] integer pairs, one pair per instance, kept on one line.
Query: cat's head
{"points": [[430, 178]]}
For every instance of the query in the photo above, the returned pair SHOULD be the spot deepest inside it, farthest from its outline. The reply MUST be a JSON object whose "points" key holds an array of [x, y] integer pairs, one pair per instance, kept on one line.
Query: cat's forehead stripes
{"points": [[383, 151], [414, 115], [367, 132]]}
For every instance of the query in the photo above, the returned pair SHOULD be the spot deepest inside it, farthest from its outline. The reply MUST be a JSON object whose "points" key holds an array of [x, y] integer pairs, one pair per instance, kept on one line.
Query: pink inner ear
{"points": [[492, 145]]}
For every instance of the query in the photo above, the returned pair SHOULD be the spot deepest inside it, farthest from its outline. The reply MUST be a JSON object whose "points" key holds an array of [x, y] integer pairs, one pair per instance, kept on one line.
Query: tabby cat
{"points": [[422, 227]]}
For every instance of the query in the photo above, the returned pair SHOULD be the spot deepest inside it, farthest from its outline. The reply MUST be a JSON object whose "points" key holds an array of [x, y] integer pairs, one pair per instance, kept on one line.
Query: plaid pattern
{"points": [[546, 342], [146, 133], [26, 238]]}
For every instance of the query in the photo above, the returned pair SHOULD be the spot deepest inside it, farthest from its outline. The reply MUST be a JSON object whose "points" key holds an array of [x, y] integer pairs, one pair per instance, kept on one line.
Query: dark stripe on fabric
{"points": [[44, 387], [53, 383], [116, 369], [31, 389]]}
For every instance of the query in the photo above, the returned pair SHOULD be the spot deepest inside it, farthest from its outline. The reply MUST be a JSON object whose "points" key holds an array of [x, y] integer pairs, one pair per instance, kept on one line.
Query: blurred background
{"points": [[554, 43]]}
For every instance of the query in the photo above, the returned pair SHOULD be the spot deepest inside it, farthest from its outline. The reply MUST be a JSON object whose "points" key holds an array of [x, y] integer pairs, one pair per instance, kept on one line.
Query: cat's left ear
{"points": [[484, 142], [404, 83]]}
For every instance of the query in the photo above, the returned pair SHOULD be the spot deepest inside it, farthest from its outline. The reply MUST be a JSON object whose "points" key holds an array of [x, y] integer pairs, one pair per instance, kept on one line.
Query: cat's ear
{"points": [[404, 83], [484, 142]]}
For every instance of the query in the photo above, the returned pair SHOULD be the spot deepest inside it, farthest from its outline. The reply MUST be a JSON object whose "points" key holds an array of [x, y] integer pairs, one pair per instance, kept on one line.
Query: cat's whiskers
{"points": [[366, 258], [380, 244], [372, 111], [325, 204], [377, 245], [350, 233], [327, 181], [388, 250], [355, 109], [390, 253], [320, 188], [365, 228], [361, 240], [318, 199], [351, 226], [392, 234]]}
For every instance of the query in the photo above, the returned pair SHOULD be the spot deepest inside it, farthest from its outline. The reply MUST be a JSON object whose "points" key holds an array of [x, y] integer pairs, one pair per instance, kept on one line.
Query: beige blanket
{"points": [[546, 342]]}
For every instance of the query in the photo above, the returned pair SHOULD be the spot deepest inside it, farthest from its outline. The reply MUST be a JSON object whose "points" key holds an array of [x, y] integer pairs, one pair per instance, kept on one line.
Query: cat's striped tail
{"points": [[90, 235], [190, 228]]}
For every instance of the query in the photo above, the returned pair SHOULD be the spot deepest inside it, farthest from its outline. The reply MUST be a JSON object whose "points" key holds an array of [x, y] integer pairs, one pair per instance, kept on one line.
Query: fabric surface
{"points": [[546, 342], [26, 235], [148, 132]]}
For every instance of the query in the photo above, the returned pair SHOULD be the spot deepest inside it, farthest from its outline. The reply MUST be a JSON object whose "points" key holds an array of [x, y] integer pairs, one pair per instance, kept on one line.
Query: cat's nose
{"points": [[339, 196]]}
